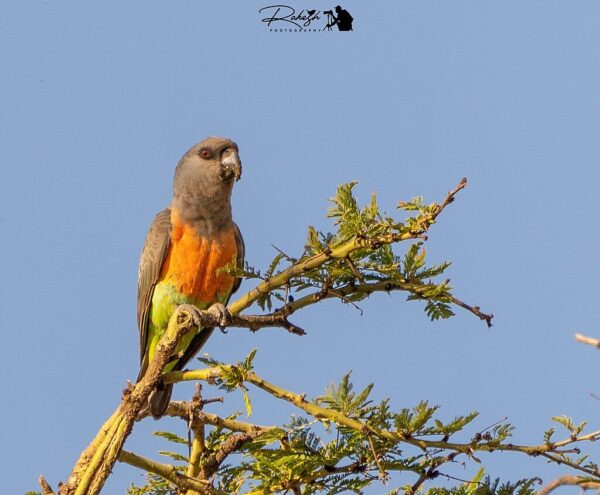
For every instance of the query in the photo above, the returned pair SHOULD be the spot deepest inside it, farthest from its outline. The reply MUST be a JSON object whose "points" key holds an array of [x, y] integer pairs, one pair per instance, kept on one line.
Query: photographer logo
{"points": [[287, 19]]}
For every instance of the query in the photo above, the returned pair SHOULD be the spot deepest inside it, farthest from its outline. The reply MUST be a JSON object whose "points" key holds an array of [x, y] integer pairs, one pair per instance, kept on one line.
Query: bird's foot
{"points": [[191, 312], [217, 310], [220, 312]]}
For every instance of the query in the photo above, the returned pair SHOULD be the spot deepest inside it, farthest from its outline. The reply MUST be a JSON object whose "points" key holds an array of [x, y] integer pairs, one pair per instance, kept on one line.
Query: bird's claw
{"points": [[219, 311], [193, 312]]}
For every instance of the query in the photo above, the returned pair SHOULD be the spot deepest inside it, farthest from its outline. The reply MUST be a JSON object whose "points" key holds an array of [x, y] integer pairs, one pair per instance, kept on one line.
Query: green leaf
{"points": [[247, 363], [413, 260], [414, 204], [565, 421], [273, 265], [475, 482], [411, 422], [437, 310], [548, 434], [344, 203], [173, 455], [171, 437], [247, 402], [313, 244]]}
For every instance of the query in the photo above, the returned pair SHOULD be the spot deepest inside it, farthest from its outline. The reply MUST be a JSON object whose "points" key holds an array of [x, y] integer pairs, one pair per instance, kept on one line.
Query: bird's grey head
{"points": [[205, 176]]}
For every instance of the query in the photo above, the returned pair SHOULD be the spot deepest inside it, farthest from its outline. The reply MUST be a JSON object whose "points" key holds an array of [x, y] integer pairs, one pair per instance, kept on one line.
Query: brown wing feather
{"points": [[241, 256], [154, 252]]}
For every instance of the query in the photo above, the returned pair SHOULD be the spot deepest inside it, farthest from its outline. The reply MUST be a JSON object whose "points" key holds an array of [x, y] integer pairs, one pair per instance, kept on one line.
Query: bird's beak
{"points": [[231, 166]]}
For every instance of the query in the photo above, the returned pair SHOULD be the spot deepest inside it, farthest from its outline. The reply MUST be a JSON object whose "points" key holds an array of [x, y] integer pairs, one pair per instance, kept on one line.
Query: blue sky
{"points": [[98, 101]]}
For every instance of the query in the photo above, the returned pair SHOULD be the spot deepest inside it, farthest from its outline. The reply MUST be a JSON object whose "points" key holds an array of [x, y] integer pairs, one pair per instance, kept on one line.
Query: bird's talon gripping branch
{"points": [[219, 311], [192, 312]]}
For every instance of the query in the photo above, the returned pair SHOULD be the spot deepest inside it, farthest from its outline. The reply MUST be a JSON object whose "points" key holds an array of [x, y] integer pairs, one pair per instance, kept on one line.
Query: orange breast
{"points": [[192, 262]]}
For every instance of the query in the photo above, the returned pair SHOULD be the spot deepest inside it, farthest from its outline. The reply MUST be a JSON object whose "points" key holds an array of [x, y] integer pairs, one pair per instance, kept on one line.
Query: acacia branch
{"points": [[198, 446], [342, 252], [186, 410], [170, 473], [350, 291], [256, 322], [551, 450], [96, 462], [361, 291]]}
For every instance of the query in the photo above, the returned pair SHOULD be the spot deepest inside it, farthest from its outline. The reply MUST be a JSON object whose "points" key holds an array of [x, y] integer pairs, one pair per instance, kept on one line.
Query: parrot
{"points": [[186, 245]]}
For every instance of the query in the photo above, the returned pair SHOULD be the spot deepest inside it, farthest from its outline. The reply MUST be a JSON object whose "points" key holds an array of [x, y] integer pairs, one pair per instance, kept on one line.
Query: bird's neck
{"points": [[207, 215]]}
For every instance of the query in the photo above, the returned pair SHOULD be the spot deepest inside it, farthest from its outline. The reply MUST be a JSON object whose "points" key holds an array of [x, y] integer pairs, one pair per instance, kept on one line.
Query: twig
{"points": [[417, 484], [285, 255], [383, 475], [476, 311], [170, 473], [367, 289], [256, 322], [183, 410], [587, 340], [232, 444], [355, 270], [450, 197], [198, 446], [569, 481], [46, 489]]}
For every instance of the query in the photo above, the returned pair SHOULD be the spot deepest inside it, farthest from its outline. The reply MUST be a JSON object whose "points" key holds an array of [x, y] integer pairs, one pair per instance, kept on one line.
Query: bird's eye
{"points": [[205, 153]]}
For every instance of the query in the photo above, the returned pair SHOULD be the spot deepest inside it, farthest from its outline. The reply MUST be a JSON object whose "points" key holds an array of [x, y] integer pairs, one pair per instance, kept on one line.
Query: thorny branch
{"points": [[550, 450], [417, 231], [246, 432], [370, 288]]}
